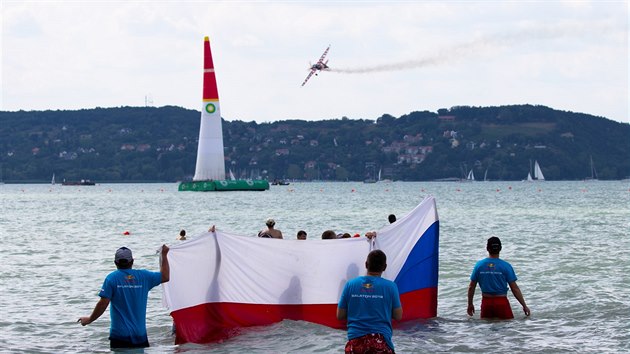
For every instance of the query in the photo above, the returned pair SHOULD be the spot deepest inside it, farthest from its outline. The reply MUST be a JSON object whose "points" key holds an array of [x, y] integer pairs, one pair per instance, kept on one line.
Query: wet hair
{"points": [[346, 235], [494, 245], [301, 233], [182, 233], [376, 261], [391, 218], [329, 235]]}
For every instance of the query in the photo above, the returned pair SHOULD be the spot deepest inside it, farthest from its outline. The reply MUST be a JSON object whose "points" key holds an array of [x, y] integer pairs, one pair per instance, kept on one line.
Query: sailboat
{"points": [[471, 176], [53, 179], [371, 169], [593, 172], [485, 176], [538, 175]]}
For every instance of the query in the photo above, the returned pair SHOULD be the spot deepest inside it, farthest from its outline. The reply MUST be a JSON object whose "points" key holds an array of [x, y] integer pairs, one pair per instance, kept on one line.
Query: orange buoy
{"points": [[126, 233]]}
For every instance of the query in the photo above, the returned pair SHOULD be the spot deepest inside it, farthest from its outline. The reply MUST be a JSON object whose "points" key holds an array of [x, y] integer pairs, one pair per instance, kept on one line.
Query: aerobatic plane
{"points": [[319, 66]]}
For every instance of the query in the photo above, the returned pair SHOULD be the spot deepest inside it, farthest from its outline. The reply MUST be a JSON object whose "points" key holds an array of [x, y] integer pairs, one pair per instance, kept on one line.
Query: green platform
{"points": [[228, 185]]}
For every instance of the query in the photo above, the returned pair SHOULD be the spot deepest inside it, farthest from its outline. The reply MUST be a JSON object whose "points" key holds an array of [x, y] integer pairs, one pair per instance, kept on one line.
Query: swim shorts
{"points": [[119, 343], [496, 307], [373, 343]]}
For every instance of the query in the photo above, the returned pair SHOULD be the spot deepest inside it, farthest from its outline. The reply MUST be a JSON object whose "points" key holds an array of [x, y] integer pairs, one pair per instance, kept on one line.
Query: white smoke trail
{"points": [[468, 49]]}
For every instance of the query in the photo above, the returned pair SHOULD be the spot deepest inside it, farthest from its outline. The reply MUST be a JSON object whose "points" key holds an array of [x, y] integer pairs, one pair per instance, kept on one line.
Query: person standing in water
{"points": [[270, 232], [369, 303], [128, 290], [493, 276]]}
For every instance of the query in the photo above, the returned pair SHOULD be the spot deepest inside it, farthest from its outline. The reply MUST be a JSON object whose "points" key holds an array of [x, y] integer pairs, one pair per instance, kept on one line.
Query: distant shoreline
{"points": [[444, 180]]}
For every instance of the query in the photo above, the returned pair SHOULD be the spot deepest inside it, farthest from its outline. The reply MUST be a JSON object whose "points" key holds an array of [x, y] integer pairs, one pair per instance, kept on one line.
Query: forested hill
{"points": [[160, 144]]}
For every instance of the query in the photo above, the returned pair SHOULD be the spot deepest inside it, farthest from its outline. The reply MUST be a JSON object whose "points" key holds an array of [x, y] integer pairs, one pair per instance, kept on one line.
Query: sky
{"points": [[386, 57]]}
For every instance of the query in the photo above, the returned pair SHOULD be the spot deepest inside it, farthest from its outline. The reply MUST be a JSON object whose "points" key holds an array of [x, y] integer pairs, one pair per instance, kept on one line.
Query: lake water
{"points": [[568, 242]]}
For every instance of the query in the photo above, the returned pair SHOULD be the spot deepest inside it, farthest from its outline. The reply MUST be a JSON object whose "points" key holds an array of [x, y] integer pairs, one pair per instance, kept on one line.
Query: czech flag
{"points": [[221, 282]]}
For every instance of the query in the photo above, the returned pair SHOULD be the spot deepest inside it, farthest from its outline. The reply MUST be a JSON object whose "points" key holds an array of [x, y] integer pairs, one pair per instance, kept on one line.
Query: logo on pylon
{"points": [[211, 108]]}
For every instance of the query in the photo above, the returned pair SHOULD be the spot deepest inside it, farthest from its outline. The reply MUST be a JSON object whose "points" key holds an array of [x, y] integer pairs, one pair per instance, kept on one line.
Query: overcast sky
{"points": [[388, 57]]}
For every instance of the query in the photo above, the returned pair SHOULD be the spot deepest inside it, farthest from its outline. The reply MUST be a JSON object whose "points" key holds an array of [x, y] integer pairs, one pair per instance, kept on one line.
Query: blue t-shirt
{"points": [[493, 276], [369, 302], [127, 291]]}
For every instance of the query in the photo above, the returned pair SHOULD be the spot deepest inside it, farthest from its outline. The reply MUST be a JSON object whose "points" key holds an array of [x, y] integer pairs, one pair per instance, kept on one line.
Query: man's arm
{"points": [[397, 314], [342, 314], [165, 269], [519, 296], [471, 294], [99, 309]]}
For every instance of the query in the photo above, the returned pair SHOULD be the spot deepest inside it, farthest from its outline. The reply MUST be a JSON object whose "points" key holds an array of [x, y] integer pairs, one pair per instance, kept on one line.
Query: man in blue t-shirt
{"points": [[369, 303], [127, 290], [494, 275]]}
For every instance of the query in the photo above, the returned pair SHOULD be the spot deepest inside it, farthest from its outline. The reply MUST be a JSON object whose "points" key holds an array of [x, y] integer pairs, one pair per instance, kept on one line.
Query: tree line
{"points": [[160, 144]]}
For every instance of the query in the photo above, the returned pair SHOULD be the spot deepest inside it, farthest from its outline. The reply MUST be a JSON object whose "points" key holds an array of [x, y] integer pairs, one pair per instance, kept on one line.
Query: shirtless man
{"points": [[270, 232]]}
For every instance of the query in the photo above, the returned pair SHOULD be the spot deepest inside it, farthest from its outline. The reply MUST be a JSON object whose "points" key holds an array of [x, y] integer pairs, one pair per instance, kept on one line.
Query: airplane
{"points": [[319, 66]]}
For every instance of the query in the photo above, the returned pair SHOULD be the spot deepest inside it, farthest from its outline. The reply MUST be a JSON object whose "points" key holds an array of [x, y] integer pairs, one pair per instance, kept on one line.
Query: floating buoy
{"points": [[352, 190], [540, 190], [510, 187], [498, 190], [126, 233]]}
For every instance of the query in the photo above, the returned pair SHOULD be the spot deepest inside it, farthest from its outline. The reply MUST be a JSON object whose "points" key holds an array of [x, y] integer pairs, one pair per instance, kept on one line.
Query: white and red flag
{"points": [[221, 282]]}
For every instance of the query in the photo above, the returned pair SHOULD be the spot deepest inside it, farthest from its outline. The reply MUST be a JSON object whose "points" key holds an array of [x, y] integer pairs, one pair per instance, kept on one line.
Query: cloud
{"points": [[412, 56]]}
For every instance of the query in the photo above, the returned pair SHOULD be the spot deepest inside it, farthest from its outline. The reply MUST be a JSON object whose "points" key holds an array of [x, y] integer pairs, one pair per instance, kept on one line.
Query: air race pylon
{"points": [[210, 166]]}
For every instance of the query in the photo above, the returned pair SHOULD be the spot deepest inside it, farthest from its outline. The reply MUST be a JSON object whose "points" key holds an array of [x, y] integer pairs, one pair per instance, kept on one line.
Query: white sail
{"points": [[593, 171], [232, 176], [53, 179], [538, 172], [529, 177], [471, 176]]}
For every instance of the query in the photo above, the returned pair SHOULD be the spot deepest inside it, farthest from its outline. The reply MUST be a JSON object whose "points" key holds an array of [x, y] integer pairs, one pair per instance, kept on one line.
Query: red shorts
{"points": [[373, 343], [496, 307]]}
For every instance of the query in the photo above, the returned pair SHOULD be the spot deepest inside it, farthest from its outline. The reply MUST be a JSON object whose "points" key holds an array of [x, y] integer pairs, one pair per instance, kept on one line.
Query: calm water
{"points": [[568, 242]]}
